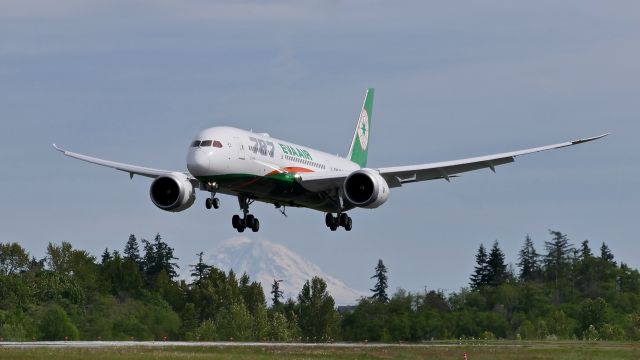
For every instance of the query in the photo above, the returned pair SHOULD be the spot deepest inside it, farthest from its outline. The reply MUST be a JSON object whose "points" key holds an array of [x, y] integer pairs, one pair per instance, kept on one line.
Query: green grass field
{"points": [[493, 350]]}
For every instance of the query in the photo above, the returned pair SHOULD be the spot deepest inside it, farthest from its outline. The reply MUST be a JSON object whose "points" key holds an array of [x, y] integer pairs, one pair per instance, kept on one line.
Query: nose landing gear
{"points": [[248, 220], [342, 219], [213, 201]]}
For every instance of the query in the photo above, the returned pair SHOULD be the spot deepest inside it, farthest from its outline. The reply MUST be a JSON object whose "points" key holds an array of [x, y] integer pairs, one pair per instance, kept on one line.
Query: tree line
{"points": [[565, 292], [137, 295]]}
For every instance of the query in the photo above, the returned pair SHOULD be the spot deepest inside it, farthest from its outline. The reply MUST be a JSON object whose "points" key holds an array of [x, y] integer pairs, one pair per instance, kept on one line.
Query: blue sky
{"points": [[135, 80]]}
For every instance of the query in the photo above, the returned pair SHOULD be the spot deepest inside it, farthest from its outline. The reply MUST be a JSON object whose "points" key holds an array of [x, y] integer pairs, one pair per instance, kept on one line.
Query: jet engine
{"points": [[365, 188], [172, 192]]}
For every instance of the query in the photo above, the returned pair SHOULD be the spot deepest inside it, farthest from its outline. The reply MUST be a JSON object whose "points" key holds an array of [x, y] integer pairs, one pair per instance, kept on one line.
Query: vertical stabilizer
{"points": [[360, 143]]}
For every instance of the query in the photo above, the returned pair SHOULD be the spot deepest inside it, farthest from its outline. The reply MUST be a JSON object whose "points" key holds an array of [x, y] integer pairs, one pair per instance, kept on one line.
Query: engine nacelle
{"points": [[366, 188], [172, 192]]}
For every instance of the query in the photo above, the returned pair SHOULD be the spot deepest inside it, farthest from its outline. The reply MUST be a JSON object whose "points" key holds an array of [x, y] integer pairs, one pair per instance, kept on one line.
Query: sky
{"points": [[133, 81]]}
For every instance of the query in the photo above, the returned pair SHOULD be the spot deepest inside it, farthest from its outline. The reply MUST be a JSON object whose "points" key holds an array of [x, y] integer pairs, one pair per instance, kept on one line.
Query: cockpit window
{"points": [[217, 144], [195, 143], [205, 143]]}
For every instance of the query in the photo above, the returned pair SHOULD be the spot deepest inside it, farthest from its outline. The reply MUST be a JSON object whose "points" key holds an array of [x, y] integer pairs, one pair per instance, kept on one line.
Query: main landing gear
{"points": [[341, 219], [248, 220]]}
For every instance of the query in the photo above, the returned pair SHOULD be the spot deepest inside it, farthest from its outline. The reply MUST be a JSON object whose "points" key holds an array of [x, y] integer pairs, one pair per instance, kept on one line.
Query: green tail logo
{"points": [[360, 143]]}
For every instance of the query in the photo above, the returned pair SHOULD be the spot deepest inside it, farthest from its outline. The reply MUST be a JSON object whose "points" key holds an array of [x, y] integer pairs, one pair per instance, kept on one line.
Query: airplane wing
{"points": [[396, 176], [131, 169]]}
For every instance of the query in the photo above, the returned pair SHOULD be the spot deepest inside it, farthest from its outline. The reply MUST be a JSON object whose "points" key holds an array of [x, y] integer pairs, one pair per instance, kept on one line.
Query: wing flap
{"points": [[397, 176]]}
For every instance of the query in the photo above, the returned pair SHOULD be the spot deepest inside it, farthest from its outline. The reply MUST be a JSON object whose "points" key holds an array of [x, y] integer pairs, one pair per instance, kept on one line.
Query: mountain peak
{"points": [[265, 261]]}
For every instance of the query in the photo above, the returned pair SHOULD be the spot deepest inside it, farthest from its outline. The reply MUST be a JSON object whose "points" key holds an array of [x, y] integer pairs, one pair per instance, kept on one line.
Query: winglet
{"points": [[57, 148], [580, 141]]}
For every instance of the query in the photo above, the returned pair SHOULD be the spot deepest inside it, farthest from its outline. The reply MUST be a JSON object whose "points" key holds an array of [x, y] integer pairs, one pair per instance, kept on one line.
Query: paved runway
{"points": [[160, 344]]}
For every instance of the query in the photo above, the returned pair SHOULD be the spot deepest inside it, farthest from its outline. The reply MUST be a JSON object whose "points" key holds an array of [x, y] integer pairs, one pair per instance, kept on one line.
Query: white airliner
{"points": [[256, 167]]}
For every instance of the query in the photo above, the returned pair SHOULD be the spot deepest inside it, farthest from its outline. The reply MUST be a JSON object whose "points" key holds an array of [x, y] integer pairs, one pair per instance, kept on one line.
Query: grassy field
{"points": [[493, 350]]}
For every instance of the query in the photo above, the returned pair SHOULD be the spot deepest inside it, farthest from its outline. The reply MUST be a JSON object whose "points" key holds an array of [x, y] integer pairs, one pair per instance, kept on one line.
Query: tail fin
{"points": [[360, 143]]}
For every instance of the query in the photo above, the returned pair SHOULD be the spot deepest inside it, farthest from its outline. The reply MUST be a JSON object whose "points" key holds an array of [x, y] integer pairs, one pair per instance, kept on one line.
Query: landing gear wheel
{"points": [[343, 219], [256, 225], [215, 202], [236, 222], [241, 229], [349, 225], [249, 220], [333, 227], [328, 220], [208, 203]]}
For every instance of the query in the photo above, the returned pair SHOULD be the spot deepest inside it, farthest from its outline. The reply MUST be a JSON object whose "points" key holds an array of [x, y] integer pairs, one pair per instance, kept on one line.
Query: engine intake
{"points": [[366, 188], [172, 192]]}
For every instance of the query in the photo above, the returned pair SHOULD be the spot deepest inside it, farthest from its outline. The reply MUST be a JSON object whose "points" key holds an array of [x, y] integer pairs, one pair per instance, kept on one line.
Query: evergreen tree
{"points": [[557, 261], [200, 269], [149, 258], [106, 257], [585, 272], [158, 257], [380, 288], [164, 257], [243, 284], [605, 254], [480, 275], [496, 268], [585, 251], [528, 261], [131, 250], [276, 293]]}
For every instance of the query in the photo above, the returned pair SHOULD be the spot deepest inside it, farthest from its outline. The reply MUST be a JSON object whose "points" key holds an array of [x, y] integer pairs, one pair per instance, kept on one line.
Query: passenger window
{"points": [[195, 143], [217, 144], [205, 143]]}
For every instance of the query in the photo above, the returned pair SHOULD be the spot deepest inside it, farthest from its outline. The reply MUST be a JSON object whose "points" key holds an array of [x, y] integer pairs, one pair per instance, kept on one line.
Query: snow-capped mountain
{"points": [[264, 261]]}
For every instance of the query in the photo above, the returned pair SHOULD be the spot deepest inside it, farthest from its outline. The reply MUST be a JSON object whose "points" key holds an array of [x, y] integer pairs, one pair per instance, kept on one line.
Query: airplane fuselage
{"points": [[234, 161]]}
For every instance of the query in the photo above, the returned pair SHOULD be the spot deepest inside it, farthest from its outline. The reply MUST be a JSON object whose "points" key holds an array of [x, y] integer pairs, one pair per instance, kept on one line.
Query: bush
{"points": [[235, 323], [591, 334], [206, 331], [611, 332], [55, 325], [633, 331], [527, 331]]}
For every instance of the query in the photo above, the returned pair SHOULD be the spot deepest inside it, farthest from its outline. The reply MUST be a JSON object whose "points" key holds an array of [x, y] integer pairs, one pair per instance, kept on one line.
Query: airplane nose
{"points": [[198, 162]]}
